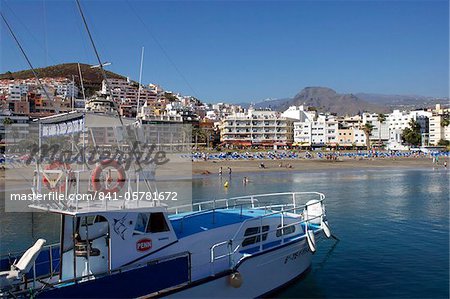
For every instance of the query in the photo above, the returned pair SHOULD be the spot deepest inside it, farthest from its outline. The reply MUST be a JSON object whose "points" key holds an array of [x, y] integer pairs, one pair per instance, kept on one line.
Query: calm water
{"points": [[393, 226]]}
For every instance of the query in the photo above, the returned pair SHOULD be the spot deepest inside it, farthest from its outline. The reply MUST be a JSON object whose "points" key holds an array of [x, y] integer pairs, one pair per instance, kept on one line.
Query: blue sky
{"points": [[242, 51]]}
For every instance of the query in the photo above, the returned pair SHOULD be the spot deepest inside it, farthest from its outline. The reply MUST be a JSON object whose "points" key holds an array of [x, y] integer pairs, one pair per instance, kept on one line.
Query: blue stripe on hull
{"points": [[129, 284]]}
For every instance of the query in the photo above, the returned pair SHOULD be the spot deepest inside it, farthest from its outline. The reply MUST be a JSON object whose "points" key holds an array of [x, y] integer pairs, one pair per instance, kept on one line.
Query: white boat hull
{"points": [[261, 274]]}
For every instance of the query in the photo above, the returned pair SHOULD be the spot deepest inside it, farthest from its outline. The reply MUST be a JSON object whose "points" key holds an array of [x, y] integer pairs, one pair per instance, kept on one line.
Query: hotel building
{"points": [[264, 128]]}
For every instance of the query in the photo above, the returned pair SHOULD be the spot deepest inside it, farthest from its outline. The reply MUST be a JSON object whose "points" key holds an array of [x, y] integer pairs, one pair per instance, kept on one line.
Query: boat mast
{"points": [[107, 84], [73, 93], [81, 82], [140, 82], [100, 64]]}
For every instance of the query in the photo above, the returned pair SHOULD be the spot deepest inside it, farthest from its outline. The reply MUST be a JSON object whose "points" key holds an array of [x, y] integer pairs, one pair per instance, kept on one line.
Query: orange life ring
{"points": [[61, 185], [103, 185]]}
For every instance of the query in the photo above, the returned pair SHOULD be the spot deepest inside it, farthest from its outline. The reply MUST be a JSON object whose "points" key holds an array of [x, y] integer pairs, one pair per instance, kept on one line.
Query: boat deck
{"points": [[186, 224]]}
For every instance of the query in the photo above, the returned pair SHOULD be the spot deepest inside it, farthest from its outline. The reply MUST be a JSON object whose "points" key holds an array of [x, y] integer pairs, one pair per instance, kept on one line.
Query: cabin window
{"points": [[286, 230], [88, 220], [141, 224], [254, 236], [99, 218], [157, 223]]}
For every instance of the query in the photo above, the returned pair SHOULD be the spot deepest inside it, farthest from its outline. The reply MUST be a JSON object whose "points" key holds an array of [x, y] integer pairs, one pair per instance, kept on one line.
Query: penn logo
{"points": [[143, 245]]}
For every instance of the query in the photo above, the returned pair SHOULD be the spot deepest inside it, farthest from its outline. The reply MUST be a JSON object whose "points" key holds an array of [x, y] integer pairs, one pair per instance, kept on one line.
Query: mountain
{"points": [[325, 100], [92, 77], [402, 102]]}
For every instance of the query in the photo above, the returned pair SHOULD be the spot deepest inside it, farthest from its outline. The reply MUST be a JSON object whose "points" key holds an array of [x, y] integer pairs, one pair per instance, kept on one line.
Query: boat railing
{"points": [[46, 265], [234, 244], [22, 288], [216, 203]]}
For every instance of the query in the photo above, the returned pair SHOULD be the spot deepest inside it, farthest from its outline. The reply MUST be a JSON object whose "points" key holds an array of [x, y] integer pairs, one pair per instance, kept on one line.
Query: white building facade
{"points": [[257, 128]]}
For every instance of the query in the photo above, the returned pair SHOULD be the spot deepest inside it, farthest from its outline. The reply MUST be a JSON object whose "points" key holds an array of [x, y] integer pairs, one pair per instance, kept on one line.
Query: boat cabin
{"points": [[100, 242]]}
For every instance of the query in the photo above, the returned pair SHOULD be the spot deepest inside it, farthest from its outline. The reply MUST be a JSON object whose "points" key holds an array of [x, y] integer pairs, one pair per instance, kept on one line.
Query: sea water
{"points": [[393, 227]]}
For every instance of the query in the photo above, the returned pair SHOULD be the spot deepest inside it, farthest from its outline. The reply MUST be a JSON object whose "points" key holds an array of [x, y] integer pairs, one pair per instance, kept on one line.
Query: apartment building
{"points": [[439, 128], [127, 92], [13, 128], [399, 120], [264, 128], [316, 131], [299, 113], [17, 91], [380, 130], [349, 136], [67, 90]]}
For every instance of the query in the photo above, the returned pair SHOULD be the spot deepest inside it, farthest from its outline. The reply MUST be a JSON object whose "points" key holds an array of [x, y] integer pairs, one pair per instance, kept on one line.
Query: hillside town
{"points": [[221, 124]]}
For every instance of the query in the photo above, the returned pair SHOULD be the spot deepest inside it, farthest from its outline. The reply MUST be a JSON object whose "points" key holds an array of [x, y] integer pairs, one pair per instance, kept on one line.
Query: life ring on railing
{"points": [[57, 183], [102, 183]]}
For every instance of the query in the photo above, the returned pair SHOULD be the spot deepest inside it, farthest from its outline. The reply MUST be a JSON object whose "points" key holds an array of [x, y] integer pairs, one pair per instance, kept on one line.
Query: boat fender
{"points": [[235, 279], [326, 229], [311, 240], [96, 176]]}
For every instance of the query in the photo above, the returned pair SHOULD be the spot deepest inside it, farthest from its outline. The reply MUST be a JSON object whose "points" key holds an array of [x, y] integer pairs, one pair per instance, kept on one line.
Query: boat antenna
{"points": [[26, 57], [100, 64]]}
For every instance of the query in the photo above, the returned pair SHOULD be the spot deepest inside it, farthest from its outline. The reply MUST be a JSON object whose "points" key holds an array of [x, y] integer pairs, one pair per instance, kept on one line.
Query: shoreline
{"points": [[304, 165]]}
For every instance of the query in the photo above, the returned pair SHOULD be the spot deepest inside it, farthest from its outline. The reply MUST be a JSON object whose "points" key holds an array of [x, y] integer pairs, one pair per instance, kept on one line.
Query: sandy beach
{"points": [[212, 167]]}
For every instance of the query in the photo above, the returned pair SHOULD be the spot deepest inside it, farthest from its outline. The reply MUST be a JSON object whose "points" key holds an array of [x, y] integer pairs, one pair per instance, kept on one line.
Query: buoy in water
{"points": [[235, 279], [311, 240], [225, 184], [326, 229]]}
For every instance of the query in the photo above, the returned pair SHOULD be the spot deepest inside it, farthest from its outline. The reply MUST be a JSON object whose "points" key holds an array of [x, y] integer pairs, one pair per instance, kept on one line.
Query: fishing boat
{"points": [[234, 247], [246, 246]]}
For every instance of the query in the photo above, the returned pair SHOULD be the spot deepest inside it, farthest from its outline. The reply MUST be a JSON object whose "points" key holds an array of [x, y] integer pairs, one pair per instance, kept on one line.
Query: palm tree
{"points": [[367, 130], [381, 119]]}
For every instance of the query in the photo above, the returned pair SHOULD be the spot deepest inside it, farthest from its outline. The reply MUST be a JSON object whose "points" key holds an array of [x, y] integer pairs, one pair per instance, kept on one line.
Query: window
{"points": [[157, 223], [253, 232], [141, 224], [285, 231]]}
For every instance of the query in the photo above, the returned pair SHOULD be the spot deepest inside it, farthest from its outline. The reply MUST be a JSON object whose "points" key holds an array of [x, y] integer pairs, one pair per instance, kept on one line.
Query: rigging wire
{"points": [[45, 31], [162, 49], [38, 42], [100, 63], [110, 90], [26, 57]]}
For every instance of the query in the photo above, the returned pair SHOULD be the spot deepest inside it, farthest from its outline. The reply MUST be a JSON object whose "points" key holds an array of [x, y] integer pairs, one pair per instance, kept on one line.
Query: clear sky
{"points": [[241, 51]]}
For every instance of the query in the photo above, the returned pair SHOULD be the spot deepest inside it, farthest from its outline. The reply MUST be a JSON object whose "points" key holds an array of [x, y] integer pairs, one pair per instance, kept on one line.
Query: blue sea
{"points": [[393, 227]]}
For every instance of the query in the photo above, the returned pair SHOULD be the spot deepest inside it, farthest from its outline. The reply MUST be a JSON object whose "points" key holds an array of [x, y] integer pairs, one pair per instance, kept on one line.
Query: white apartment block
{"points": [[437, 130], [380, 130], [124, 91], [67, 90], [319, 132], [257, 128], [399, 120], [298, 113], [16, 91]]}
